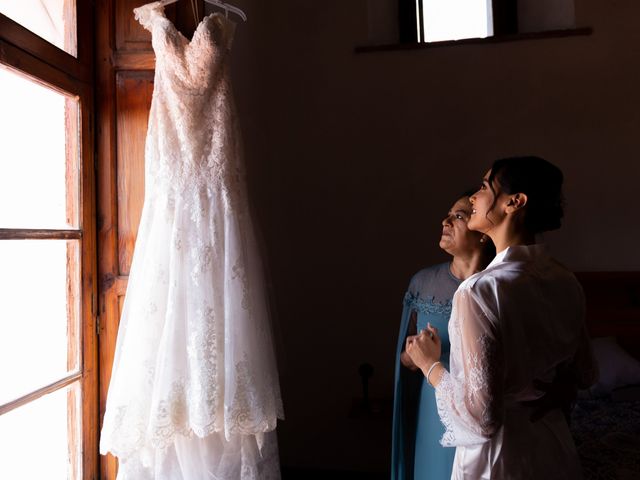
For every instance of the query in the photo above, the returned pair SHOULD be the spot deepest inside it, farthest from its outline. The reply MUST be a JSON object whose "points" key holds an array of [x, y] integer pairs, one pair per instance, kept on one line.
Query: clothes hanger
{"points": [[225, 6]]}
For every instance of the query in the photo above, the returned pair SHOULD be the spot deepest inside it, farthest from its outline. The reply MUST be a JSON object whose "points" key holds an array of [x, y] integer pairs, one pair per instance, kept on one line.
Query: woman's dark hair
{"points": [[540, 181]]}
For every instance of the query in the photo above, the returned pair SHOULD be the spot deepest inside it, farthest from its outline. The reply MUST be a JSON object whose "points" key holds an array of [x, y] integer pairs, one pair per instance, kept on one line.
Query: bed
{"points": [[606, 420]]}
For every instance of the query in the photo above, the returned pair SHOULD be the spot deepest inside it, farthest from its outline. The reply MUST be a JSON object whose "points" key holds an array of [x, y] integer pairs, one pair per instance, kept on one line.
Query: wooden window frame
{"points": [[31, 55]]}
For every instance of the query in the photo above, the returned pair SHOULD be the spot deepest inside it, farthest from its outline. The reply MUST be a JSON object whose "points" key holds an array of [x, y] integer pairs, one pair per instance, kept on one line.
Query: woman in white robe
{"points": [[513, 325]]}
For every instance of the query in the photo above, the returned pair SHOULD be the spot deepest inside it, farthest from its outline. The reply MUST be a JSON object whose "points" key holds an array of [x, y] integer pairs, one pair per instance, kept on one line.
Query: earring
{"points": [[483, 238]]}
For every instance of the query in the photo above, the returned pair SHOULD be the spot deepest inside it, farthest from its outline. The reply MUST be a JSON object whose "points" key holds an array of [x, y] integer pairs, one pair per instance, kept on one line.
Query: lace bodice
{"points": [[193, 143], [190, 65]]}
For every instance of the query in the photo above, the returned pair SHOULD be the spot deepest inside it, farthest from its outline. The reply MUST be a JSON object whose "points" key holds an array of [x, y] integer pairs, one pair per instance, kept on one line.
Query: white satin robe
{"points": [[512, 324]]}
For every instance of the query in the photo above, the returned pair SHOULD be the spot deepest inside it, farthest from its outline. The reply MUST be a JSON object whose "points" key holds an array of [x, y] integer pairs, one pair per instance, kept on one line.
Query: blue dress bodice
{"points": [[436, 313]]}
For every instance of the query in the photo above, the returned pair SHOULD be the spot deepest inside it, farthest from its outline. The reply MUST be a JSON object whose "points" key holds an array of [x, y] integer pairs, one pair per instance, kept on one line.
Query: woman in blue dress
{"points": [[417, 430]]}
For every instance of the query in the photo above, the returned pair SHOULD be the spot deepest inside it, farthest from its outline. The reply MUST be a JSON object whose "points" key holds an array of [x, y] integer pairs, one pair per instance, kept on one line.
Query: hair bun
{"points": [[541, 181]]}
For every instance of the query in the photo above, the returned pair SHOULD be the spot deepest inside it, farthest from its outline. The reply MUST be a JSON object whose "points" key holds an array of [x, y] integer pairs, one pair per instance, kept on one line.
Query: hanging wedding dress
{"points": [[194, 391]]}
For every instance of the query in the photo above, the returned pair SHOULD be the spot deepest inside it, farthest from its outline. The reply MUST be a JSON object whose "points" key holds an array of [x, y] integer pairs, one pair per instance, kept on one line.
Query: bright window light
{"points": [[456, 19], [53, 20], [40, 348]]}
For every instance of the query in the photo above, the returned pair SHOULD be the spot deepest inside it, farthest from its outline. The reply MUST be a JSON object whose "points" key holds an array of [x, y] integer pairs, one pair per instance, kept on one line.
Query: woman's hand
{"points": [[412, 331], [425, 348], [405, 359]]}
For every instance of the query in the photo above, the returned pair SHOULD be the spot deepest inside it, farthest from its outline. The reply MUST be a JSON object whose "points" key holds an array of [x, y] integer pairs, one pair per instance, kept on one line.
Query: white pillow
{"points": [[617, 367]]}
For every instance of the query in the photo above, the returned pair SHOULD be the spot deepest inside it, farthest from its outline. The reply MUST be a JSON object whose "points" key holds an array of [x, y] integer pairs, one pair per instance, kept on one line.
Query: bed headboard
{"points": [[613, 306]]}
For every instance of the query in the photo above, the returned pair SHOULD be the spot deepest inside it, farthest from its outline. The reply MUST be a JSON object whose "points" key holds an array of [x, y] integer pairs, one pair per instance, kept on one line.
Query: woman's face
{"points": [[482, 215], [456, 237]]}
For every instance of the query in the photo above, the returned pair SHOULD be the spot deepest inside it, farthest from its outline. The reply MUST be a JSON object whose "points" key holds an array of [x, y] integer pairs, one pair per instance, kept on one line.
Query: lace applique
{"points": [[445, 391], [177, 241], [427, 305], [204, 350], [243, 415], [477, 369], [238, 271], [465, 396], [202, 256], [169, 417]]}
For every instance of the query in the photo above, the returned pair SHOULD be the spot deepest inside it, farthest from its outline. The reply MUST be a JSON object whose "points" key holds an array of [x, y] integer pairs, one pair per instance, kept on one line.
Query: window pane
{"points": [[39, 341], [456, 19], [38, 155], [53, 20], [40, 439]]}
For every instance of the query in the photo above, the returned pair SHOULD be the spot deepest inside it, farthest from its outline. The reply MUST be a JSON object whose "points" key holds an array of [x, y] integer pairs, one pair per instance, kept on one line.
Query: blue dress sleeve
{"points": [[405, 405]]}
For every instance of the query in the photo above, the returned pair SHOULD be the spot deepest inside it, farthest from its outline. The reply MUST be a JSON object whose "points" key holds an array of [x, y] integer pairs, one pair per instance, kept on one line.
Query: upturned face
{"points": [[483, 216], [456, 238]]}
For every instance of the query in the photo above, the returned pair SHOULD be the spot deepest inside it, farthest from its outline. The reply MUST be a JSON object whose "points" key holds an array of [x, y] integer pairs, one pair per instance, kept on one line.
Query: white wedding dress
{"points": [[194, 392]]}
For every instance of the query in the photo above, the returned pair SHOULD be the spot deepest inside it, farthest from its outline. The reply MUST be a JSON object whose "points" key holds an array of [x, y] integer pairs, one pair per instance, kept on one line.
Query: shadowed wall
{"points": [[354, 158]]}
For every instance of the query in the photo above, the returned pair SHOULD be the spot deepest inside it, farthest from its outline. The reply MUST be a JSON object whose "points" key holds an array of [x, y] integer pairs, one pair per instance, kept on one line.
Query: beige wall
{"points": [[354, 158]]}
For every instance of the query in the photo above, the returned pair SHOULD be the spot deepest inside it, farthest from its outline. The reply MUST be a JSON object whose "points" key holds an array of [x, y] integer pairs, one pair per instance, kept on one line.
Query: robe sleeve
{"points": [[469, 397]]}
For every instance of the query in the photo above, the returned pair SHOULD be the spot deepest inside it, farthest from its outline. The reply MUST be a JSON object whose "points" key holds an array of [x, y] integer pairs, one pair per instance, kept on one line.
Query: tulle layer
{"points": [[194, 354], [241, 457]]}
